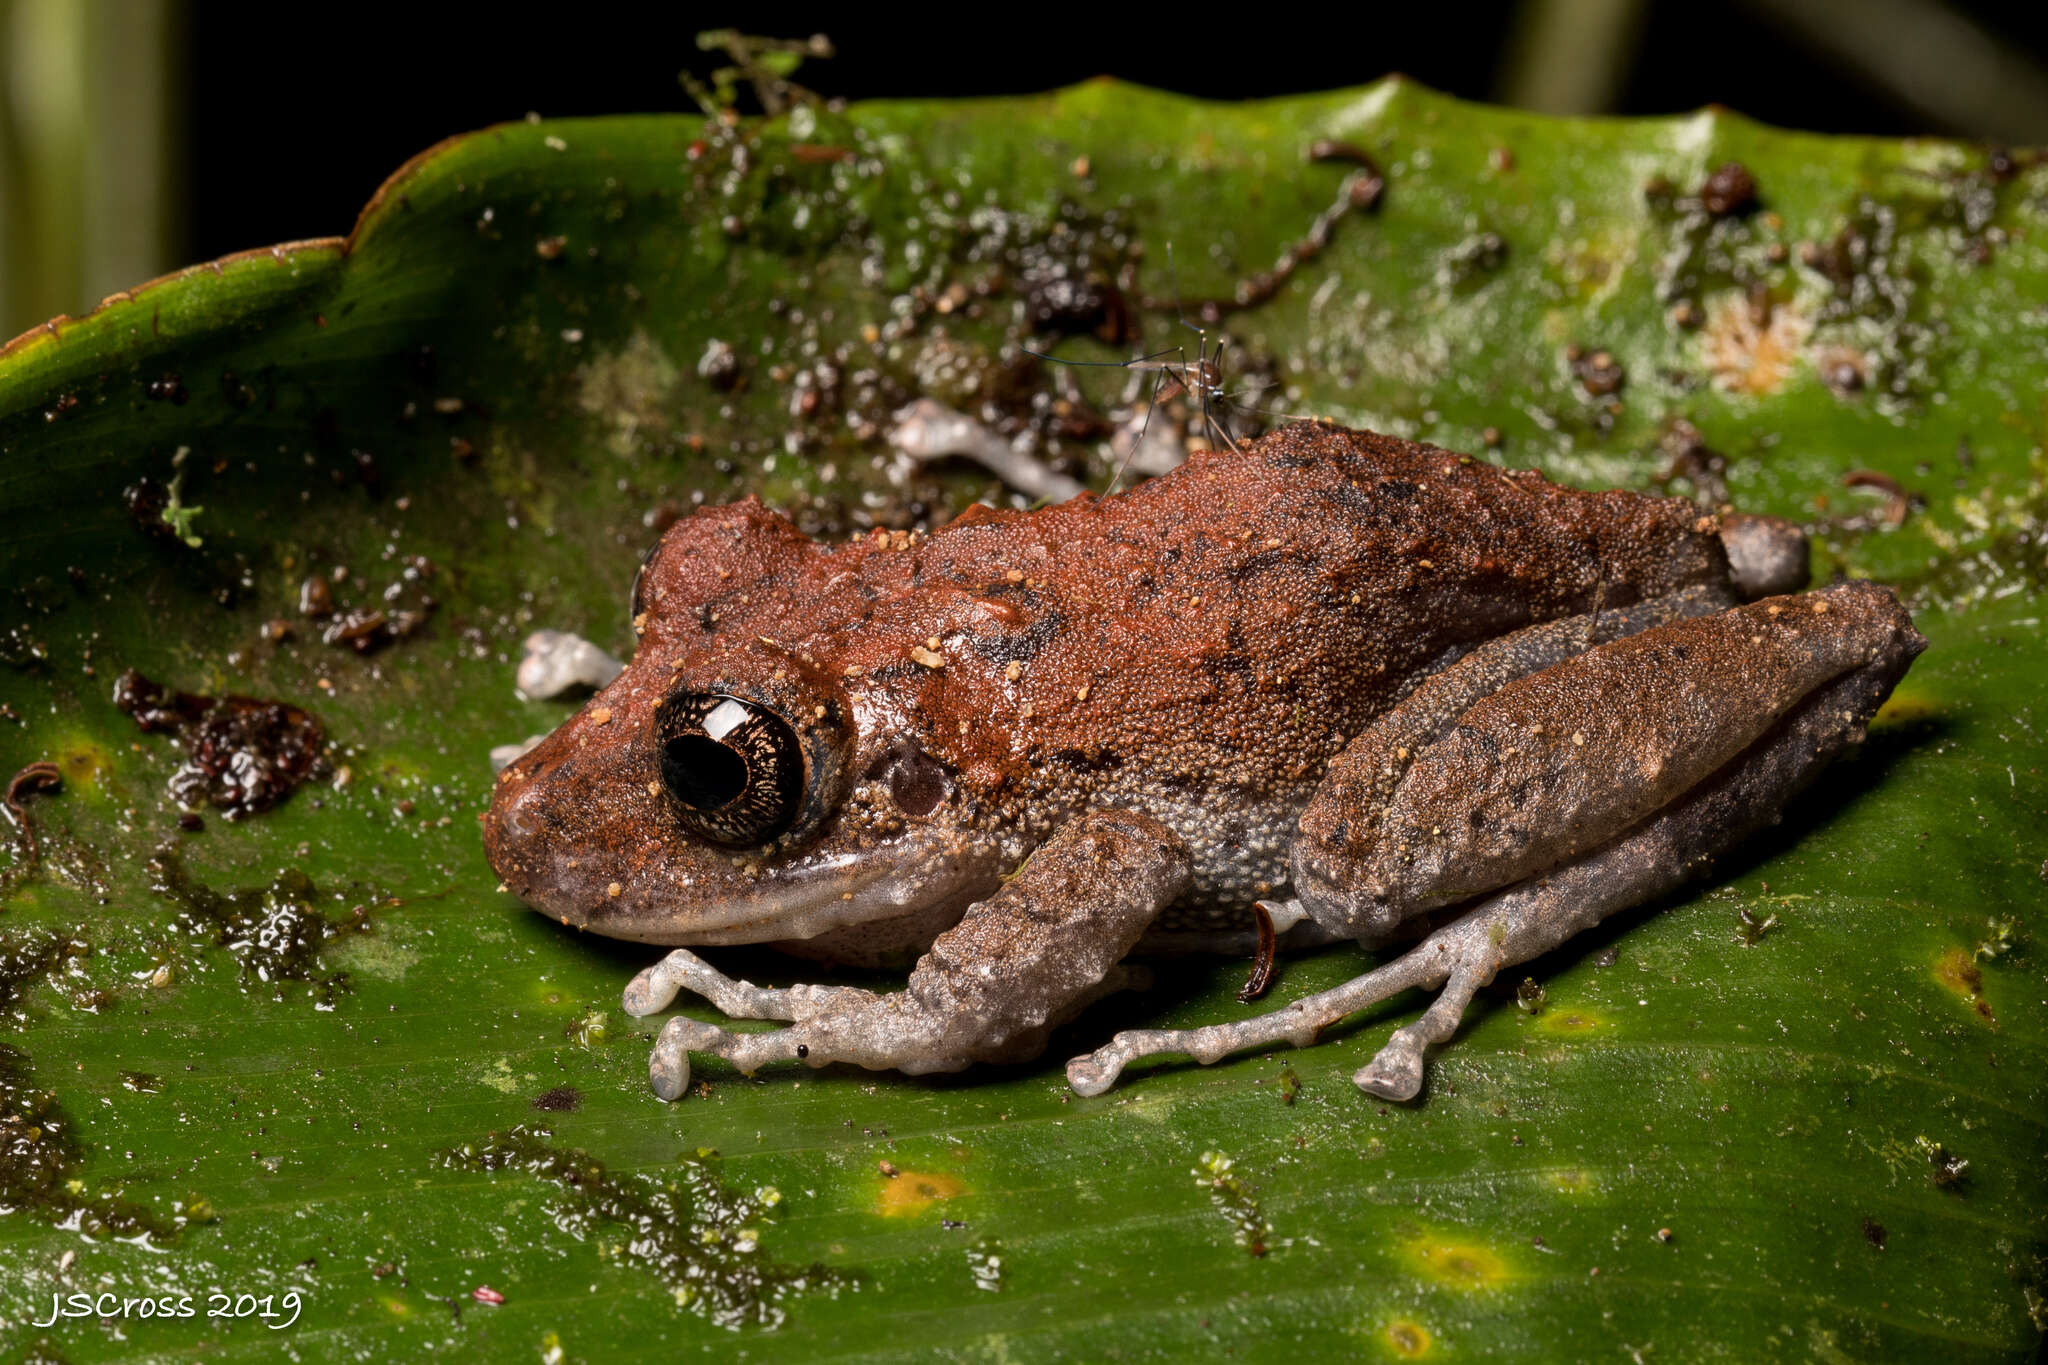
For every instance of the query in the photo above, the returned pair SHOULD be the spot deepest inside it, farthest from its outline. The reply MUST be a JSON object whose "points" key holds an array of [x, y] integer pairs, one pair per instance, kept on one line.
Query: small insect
{"points": [[1222, 415], [1199, 379]]}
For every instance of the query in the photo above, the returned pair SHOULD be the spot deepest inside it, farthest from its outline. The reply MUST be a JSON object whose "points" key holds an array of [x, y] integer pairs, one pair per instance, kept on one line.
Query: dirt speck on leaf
{"points": [[702, 1240], [631, 392], [243, 755], [275, 931], [40, 1160]]}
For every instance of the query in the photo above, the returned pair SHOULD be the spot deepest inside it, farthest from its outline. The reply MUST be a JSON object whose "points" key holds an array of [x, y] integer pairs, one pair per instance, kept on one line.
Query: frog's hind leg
{"points": [[1546, 909], [991, 988]]}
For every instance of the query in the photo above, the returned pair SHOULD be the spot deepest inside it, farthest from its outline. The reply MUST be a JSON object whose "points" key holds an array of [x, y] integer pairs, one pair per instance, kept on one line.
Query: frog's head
{"points": [[732, 794]]}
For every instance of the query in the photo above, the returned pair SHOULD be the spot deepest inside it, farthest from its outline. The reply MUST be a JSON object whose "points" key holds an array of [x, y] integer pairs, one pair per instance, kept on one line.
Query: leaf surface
{"points": [[542, 341]]}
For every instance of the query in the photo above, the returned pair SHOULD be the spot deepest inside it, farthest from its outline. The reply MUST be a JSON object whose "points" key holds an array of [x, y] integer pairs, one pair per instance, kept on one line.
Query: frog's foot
{"points": [[990, 989], [668, 1067], [1659, 853], [655, 989], [1461, 957], [1298, 1023], [914, 1042]]}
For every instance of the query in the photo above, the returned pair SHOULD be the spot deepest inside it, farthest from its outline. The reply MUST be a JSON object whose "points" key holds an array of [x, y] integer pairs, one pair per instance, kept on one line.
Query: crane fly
{"points": [[1200, 379]]}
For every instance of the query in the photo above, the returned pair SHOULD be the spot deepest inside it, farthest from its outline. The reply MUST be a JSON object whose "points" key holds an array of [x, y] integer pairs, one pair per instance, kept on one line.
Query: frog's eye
{"points": [[733, 767]]}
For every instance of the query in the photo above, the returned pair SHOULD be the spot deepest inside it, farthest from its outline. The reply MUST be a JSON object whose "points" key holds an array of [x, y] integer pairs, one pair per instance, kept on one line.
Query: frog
{"points": [[1326, 686]]}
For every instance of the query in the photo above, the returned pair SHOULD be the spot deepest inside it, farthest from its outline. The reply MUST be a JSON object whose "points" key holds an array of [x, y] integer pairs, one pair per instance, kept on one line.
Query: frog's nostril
{"points": [[520, 812]]}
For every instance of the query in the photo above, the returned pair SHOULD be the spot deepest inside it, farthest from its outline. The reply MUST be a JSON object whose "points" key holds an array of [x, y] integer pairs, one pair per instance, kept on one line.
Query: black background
{"points": [[296, 113]]}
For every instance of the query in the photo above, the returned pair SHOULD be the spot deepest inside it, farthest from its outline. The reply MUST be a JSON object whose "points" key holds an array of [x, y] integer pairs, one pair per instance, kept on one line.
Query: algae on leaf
{"points": [[543, 342]]}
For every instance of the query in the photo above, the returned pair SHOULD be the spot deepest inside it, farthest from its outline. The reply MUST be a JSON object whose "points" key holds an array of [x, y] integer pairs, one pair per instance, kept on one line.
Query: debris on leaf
{"points": [[1233, 1199], [1945, 1169], [765, 64], [985, 1263], [2005, 935]]}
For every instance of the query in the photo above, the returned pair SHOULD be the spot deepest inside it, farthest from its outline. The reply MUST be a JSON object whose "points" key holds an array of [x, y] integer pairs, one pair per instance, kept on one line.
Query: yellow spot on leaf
{"points": [[630, 392], [1573, 1020], [400, 769], [1410, 1339], [1957, 971], [909, 1193], [1905, 708], [1571, 1181], [1471, 1266], [376, 955], [85, 766], [498, 1076]]}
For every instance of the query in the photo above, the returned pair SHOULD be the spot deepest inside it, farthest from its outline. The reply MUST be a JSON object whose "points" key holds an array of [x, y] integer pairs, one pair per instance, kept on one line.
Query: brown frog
{"points": [[1364, 688]]}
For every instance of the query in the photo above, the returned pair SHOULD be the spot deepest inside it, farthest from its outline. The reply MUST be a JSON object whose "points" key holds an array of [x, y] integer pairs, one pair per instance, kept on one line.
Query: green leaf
{"points": [[316, 1053]]}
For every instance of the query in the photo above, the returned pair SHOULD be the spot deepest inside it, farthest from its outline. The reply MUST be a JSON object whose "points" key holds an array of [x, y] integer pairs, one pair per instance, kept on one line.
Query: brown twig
{"points": [[1262, 963], [1359, 192], [34, 779], [1898, 501]]}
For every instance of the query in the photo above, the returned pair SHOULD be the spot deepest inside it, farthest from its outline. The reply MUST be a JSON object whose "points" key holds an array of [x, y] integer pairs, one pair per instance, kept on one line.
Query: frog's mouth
{"points": [[918, 873], [611, 860]]}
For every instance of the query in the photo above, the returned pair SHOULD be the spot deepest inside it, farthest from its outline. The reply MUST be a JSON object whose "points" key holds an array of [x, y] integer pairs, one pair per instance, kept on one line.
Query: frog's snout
{"points": [[575, 842], [517, 830], [514, 816]]}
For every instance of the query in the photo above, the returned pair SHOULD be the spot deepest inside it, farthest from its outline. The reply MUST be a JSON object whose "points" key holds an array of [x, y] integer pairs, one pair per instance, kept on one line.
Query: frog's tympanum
{"points": [[1366, 689]]}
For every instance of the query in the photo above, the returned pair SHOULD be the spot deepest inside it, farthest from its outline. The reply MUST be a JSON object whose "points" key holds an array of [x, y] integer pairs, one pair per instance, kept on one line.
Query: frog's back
{"points": [[1321, 567], [1201, 647], [1359, 506]]}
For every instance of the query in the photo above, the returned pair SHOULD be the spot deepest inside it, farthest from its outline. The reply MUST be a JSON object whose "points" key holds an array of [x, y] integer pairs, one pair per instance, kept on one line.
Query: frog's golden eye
{"points": [[733, 767]]}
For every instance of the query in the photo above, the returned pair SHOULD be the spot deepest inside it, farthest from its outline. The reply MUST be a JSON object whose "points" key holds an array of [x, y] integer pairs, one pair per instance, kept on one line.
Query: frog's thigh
{"points": [[1542, 912], [1341, 826], [1452, 795], [990, 988]]}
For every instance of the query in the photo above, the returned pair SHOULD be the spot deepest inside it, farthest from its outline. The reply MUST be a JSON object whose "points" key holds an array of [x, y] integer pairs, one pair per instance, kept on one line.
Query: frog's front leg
{"points": [[989, 990], [1559, 797], [655, 989]]}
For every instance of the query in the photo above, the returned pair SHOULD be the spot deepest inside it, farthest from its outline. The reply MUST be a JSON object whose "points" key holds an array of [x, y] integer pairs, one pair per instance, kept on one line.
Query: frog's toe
{"points": [[1766, 556], [1396, 1073], [1472, 952], [651, 992], [668, 1068], [504, 756], [1093, 1074], [656, 988], [928, 430]]}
